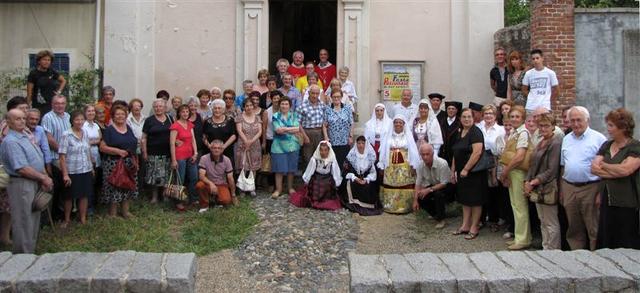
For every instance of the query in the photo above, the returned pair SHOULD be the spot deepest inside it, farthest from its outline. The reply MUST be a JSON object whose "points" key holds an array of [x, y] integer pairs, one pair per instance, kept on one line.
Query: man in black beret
{"points": [[477, 111]]}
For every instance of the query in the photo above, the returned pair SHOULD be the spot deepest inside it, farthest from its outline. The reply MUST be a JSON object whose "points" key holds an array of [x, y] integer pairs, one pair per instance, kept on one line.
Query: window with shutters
{"points": [[60, 63]]}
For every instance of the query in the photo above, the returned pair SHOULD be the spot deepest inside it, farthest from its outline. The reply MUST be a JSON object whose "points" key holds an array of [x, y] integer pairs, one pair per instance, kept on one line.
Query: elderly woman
{"points": [[361, 190], [118, 143], [106, 102], [229, 97], [517, 68], [101, 117], [336, 85], [506, 213], [216, 93], [248, 154], [399, 159], [303, 82], [176, 102], [338, 128], [617, 163], [491, 131], [286, 146], [543, 177], [426, 129], [76, 163], [220, 126], [515, 159], [184, 153], [204, 97], [94, 133], [313, 80], [322, 177], [267, 128], [44, 82], [471, 187], [155, 148], [377, 127], [347, 86], [261, 86]]}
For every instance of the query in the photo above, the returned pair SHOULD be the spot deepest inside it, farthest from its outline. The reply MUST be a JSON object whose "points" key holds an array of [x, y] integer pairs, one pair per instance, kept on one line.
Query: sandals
{"points": [[275, 194], [460, 232], [471, 236]]}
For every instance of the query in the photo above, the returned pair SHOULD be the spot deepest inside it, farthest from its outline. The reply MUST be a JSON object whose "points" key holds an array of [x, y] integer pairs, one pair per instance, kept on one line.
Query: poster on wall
{"points": [[399, 75]]}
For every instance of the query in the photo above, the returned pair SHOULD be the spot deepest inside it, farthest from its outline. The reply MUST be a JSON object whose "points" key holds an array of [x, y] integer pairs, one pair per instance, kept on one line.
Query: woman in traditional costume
{"points": [[360, 188], [322, 177], [398, 158], [426, 129], [377, 127]]}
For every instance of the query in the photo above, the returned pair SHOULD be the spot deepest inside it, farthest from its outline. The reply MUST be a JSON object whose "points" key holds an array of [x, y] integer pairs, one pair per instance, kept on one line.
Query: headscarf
{"points": [[354, 154], [412, 150], [328, 159], [331, 158], [370, 126]]}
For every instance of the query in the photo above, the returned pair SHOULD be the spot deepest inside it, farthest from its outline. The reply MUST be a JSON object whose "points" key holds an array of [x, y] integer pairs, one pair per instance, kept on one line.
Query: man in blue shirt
{"points": [[579, 188], [24, 162], [247, 87], [33, 121]]}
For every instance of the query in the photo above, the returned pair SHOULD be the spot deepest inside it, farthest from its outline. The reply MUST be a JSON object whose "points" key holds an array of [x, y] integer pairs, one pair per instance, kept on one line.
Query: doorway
{"points": [[305, 25]]}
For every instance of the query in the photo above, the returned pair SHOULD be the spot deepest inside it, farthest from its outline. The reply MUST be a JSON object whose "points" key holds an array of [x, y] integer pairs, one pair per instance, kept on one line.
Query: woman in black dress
{"points": [[220, 126], [471, 186], [617, 164], [360, 189]]}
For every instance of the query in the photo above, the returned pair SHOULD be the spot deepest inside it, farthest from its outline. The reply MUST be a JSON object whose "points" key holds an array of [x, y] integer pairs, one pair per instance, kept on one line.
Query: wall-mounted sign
{"points": [[399, 75]]}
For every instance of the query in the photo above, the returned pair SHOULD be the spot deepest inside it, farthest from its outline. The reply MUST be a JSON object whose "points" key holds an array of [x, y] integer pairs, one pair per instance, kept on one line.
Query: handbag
{"points": [[4, 178], [175, 191], [266, 163], [485, 162], [510, 152], [246, 183], [41, 201], [122, 176], [546, 193]]}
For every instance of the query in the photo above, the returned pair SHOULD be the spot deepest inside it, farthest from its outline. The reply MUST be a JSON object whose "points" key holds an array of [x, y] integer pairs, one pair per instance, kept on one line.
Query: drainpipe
{"points": [[96, 44]]}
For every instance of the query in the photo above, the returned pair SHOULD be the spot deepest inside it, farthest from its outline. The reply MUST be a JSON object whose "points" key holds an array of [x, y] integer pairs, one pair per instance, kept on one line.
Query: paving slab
{"points": [[633, 254], [565, 282], [180, 269], [499, 278], [43, 275], [539, 279], [468, 276], [12, 268], [586, 279], [111, 277], [403, 277], [368, 274], [613, 279], [434, 274], [77, 277], [145, 275], [621, 261], [4, 256]]}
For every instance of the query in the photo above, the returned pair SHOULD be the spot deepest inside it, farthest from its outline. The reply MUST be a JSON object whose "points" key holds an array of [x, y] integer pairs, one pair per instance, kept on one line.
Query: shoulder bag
{"points": [[122, 176], [246, 183], [510, 152], [545, 193], [175, 191], [485, 162]]}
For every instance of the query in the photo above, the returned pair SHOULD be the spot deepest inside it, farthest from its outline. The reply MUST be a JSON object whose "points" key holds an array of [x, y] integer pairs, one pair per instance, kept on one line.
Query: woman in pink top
{"points": [[183, 153]]}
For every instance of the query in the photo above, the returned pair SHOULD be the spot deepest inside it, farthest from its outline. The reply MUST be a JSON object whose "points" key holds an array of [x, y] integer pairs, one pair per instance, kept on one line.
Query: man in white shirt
{"points": [[432, 176], [539, 84], [405, 107], [579, 188]]}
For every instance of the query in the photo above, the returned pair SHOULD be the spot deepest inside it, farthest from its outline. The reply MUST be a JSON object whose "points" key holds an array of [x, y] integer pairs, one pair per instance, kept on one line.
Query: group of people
{"points": [[499, 161]]}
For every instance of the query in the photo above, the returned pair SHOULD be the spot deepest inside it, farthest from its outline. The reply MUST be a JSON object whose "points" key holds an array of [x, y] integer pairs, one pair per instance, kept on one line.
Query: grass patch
{"points": [[156, 228]]}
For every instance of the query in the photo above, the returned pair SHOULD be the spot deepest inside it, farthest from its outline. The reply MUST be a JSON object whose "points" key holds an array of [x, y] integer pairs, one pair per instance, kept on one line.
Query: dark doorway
{"points": [[306, 25]]}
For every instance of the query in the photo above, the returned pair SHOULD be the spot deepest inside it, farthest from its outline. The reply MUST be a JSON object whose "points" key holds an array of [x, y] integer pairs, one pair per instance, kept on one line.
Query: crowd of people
{"points": [[502, 162]]}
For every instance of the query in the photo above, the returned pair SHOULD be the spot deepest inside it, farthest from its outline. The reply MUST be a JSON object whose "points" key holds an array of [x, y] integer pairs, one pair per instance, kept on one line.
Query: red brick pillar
{"points": [[552, 31]]}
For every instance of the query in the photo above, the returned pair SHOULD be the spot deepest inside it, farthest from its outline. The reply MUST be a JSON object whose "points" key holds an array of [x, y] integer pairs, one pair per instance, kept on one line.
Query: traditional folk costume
{"points": [[427, 132], [376, 129], [398, 156], [361, 198], [451, 128], [322, 177]]}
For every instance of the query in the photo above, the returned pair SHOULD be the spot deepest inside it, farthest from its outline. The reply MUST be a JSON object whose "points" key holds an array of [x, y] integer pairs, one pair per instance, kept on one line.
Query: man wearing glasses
{"points": [[499, 75]]}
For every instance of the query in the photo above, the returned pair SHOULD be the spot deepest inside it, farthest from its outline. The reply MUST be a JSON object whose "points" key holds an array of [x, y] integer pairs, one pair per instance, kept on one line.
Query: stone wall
{"points": [[516, 37], [604, 270], [604, 67], [120, 271]]}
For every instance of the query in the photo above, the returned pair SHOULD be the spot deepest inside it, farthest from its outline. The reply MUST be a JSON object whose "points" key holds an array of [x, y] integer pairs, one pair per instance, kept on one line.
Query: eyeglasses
{"points": [[228, 98], [489, 113]]}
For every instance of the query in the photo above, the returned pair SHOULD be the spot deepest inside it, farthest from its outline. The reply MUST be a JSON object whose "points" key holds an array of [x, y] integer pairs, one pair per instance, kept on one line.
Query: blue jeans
{"points": [[188, 173]]}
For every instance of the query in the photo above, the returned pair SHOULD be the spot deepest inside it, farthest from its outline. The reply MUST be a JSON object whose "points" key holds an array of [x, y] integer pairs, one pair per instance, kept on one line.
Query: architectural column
{"points": [[355, 52], [553, 32], [252, 39]]}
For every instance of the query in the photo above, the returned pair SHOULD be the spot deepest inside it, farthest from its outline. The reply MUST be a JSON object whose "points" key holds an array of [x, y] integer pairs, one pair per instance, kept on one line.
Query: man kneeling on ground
{"points": [[216, 178], [431, 182]]}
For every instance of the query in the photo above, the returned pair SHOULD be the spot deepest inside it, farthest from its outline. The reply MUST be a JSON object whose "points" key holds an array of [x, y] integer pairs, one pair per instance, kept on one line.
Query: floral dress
{"points": [[254, 151], [516, 89]]}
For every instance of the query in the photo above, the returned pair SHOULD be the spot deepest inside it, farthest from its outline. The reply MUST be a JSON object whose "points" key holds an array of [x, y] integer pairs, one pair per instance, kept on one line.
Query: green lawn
{"points": [[155, 228]]}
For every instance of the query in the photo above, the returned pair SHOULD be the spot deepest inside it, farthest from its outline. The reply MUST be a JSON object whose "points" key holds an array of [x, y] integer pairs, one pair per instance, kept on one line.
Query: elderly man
{"points": [[55, 123], [499, 74], [579, 188], [247, 88], [108, 95], [40, 135], [432, 177], [297, 69], [312, 117], [216, 177], [24, 162], [325, 70], [281, 66], [405, 107]]}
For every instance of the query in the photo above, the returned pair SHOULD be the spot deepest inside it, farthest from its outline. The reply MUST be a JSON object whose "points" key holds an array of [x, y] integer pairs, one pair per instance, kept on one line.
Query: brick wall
{"points": [[552, 31]]}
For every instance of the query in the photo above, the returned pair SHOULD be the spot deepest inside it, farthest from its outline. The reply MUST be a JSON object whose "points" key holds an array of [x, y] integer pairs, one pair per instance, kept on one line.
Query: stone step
{"points": [[606, 270], [119, 271]]}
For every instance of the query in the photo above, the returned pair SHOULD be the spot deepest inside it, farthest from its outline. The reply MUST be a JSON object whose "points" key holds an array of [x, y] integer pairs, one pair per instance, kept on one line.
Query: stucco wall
{"points": [[68, 26], [600, 61]]}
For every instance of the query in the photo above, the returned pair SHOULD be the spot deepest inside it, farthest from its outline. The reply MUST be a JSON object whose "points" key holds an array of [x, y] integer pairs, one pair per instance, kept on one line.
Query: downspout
{"points": [[96, 45]]}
